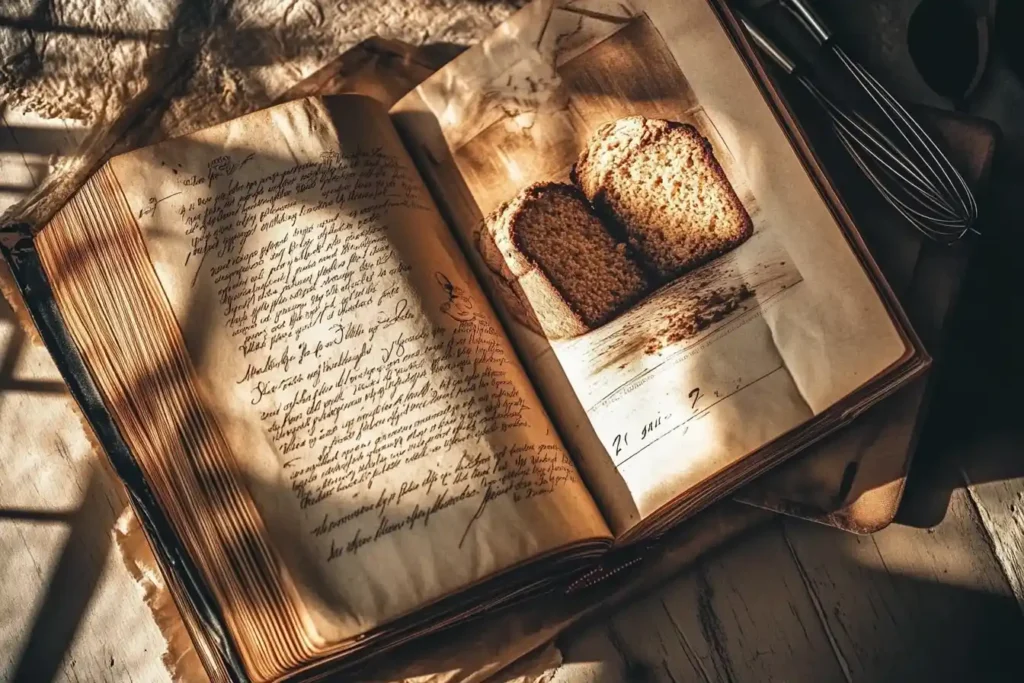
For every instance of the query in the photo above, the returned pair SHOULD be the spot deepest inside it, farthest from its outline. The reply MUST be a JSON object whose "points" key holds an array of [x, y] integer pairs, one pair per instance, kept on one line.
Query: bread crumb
{"points": [[707, 308]]}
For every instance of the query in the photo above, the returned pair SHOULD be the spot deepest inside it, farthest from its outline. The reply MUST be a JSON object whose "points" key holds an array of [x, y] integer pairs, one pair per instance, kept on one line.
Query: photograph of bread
{"points": [[648, 202], [607, 189], [614, 226]]}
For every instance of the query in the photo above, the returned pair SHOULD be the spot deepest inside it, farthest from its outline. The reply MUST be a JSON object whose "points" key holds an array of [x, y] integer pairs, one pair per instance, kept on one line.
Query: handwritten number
{"points": [[696, 396]]}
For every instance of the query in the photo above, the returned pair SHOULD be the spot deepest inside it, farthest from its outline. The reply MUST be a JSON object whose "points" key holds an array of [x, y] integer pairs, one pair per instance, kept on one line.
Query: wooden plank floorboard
{"points": [[598, 655], [999, 501], [802, 602], [914, 604], [991, 462], [742, 615]]}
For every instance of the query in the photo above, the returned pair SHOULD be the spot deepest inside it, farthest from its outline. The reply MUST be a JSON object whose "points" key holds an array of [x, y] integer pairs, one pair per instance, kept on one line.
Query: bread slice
{"points": [[660, 184], [563, 264]]}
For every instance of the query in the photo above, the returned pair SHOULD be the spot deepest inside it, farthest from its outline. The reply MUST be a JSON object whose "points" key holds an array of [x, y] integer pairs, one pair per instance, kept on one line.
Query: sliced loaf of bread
{"points": [[659, 183], [567, 270]]}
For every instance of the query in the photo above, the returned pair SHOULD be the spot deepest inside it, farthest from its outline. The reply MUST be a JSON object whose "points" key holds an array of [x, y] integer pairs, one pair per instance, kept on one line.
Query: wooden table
{"points": [[794, 602], [938, 596]]}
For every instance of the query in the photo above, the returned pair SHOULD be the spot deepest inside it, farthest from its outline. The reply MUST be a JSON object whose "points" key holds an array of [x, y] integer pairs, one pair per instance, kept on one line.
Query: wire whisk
{"points": [[906, 165]]}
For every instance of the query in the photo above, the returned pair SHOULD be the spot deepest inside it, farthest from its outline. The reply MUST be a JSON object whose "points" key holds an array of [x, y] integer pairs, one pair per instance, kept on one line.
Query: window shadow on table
{"points": [[62, 605], [73, 579]]}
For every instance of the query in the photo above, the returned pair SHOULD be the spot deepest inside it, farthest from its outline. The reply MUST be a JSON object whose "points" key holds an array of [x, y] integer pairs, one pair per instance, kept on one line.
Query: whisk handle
{"points": [[769, 48], [811, 20]]}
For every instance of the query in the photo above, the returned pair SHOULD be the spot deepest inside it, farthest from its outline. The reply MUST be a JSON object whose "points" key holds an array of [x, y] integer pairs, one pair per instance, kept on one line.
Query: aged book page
{"points": [[706, 366], [377, 413]]}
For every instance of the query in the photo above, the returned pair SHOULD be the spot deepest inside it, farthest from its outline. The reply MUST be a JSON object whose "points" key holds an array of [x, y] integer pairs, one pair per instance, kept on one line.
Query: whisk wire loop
{"points": [[906, 125], [905, 164]]}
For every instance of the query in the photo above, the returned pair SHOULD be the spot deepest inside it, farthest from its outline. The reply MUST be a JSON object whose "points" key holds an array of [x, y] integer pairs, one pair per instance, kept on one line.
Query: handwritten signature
{"points": [[153, 202], [222, 166], [226, 166]]}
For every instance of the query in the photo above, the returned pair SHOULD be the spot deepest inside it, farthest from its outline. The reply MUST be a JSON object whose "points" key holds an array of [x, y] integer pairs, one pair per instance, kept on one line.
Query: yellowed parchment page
{"points": [[705, 368], [376, 410]]}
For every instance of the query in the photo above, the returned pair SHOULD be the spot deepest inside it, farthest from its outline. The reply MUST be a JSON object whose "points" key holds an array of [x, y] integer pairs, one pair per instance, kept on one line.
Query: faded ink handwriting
{"points": [[391, 405]]}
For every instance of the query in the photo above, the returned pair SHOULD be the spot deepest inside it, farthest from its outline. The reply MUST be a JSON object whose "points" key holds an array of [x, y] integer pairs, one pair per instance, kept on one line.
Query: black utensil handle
{"points": [[811, 20], [767, 46]]}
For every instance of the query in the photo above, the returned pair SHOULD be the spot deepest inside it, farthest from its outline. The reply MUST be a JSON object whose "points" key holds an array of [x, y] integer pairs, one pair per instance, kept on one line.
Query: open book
{"points": [[383, 371]]}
